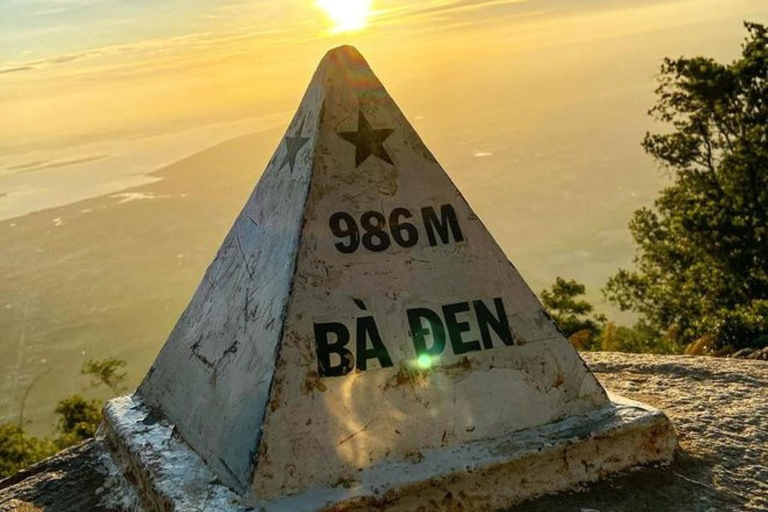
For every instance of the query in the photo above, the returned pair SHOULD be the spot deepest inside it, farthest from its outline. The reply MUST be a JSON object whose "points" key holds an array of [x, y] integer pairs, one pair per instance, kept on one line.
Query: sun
{"points": [[346, 15]]}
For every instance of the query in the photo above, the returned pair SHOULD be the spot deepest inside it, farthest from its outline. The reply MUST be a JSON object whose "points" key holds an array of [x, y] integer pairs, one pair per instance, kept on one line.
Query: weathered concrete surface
{"points": [[214, 374], [719, 408], [328, 421], [170, 476], [358, 312], [474, 476]]}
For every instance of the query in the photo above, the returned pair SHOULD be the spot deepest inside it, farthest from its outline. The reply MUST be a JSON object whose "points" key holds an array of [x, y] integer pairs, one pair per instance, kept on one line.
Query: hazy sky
{"points": [[535, 107], [81, 70]]}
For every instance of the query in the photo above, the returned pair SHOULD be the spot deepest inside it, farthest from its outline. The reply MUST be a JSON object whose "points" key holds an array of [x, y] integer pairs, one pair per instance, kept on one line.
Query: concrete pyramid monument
{"points": [[360, 341]]}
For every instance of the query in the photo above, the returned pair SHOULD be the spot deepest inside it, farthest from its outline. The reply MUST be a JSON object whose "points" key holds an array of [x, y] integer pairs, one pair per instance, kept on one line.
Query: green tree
{"points": [[573, 315], [638, 339], [79, 419], [701, 266], [107, 372], [18, 450]]}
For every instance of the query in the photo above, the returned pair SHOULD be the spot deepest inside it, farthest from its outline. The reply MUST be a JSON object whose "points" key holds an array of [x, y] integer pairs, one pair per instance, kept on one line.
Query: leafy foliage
{"points": [[18, 450], [106, 372], [702, 257], [637, 339], [589, 331], [574, 316], [79, 419]]}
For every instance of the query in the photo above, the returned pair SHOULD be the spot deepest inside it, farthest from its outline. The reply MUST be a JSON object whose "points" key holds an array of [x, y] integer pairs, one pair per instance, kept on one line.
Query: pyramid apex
{"points": [[347, 53], [349, 64]]}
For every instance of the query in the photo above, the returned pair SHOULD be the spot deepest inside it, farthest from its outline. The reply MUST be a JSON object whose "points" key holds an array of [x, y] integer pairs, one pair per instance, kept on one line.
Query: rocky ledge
{"points": [[718, 406]]}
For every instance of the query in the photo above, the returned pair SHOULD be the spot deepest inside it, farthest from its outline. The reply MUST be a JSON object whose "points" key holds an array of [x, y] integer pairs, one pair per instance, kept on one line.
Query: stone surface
{"points": [[81, 478], [719, 408], [476, 476], [357, 313]]}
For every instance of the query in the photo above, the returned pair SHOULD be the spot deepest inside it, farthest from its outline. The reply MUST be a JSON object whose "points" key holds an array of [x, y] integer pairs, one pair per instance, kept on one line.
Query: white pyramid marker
{"points": [[360, 339]]}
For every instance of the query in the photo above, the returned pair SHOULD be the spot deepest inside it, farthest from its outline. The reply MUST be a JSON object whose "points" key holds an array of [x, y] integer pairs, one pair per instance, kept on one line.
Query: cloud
{"points": [[436, 10], [16, 69], [147, 49], [466, 5], [64, 58], [233, 36], [42, 63], [27, 165], [52, 164], [34, 8]]}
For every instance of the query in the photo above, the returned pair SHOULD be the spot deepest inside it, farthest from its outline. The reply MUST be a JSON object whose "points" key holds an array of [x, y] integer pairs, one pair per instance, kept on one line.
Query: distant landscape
{"points": [[102, 243], [108, 276]]}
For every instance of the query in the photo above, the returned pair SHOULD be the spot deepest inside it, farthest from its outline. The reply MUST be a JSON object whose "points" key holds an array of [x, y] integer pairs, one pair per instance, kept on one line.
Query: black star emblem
{"points": [[293, 145], [368, 141]]}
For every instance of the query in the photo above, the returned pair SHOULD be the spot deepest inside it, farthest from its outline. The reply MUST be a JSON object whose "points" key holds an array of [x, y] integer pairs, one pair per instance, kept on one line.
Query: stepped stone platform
{"points": [[718, 406]]}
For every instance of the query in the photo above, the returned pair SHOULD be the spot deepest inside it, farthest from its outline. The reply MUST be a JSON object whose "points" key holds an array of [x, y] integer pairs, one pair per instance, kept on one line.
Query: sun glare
{"points": [[346, 15], [424, 361]]}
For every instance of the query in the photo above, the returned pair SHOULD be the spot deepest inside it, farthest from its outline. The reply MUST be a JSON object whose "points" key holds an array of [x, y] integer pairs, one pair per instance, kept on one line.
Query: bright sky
{"points": [[80, 70], [545, 100], [536, 108]]}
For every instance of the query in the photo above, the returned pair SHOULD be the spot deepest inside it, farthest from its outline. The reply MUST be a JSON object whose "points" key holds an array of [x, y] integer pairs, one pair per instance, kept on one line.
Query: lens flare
{"points": [[346, 15], [424, 361]]}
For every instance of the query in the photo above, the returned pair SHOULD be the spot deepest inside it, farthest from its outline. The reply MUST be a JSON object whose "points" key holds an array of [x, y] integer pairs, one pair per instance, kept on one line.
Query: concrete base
{"points": [[478, 476]]}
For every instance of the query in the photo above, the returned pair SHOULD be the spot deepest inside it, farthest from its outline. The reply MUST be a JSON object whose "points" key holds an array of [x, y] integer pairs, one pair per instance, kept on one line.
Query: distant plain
{"points": [[104, 240]]}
